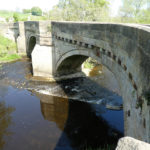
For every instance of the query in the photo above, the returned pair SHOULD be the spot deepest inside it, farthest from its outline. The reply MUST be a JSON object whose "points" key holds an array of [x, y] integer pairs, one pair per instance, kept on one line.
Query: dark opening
{"points": [[32, 43], [71, 65]]}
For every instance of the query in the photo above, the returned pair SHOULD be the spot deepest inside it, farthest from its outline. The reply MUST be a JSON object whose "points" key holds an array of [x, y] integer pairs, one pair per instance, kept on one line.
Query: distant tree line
{"points": [[80, 10], [132, 11], [36, 11], [137, 11]]}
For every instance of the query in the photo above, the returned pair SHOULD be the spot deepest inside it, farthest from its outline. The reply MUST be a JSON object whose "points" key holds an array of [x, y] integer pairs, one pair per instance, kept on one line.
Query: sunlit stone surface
{"points": [[128, 143]]}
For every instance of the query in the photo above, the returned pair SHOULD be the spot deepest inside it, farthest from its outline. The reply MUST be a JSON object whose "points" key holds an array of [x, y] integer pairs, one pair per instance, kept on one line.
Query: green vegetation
{"points": [[36, 11], [131, 11], [80, 10], [8, 50], [6, 44], [90, 63], [135, 11], [9, 57], [16, 17]]}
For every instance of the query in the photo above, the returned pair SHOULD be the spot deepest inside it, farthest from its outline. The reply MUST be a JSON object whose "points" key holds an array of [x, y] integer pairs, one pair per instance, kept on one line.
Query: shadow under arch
{"points": [[31, 44], [71, 62]]}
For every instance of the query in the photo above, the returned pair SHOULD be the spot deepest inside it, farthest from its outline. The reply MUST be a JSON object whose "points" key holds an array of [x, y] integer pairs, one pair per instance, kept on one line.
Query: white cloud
{"points": [[21, 4]]}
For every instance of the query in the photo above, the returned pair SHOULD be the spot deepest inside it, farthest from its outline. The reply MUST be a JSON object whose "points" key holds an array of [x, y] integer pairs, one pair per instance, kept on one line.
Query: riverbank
{"points": [[8, 50]]}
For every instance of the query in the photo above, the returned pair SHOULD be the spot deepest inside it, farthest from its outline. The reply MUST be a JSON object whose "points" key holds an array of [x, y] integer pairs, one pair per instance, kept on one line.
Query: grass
{"points": [[8, 50], [90, 63], [7, 44], [9, 57]]}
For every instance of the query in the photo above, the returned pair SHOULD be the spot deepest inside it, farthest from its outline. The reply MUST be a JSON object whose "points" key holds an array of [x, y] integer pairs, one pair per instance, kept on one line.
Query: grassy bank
{"points": [[8, 50], [90, 63]]}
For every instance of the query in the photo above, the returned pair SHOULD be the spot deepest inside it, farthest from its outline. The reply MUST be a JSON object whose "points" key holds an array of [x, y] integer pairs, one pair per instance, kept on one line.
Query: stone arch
{"points": [[71, 62], [125, 50], [31, 42], [125, 80]]}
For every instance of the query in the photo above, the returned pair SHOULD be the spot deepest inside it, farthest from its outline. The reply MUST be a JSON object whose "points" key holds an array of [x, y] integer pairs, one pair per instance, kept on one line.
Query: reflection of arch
{"points": [[30, 45]]}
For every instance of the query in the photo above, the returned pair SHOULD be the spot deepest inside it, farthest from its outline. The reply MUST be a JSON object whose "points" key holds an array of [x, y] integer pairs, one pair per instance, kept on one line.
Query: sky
{"points": [[21, 4], [114, 5], [44, 4]]}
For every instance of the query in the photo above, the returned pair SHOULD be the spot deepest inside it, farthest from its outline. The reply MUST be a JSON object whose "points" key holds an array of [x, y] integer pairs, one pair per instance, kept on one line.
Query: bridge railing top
{"points": [[134, 25]]}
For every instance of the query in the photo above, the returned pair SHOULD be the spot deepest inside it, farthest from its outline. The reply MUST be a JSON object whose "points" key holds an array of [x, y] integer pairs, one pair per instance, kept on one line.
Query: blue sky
{"points": [[44, 4]]}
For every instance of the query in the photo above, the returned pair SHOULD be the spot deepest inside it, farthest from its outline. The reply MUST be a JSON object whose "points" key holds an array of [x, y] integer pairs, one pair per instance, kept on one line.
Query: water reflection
{"points": [[50, 123], [54, 109], [105, 78], [96, 71], [79, 123], [5, 122]]}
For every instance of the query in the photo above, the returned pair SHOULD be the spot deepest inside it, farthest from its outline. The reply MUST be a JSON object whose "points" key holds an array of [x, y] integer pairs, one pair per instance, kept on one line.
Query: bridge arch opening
{"points": [[31, 45], [69, 64]]}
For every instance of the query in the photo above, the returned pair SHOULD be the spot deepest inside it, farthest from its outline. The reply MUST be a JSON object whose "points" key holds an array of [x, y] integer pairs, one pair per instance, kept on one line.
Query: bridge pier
{"points": [[42, 61], [21, 40]]}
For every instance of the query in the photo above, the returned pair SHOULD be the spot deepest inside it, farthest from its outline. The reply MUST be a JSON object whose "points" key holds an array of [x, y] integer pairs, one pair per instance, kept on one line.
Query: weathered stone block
{"points": [[128, 143]]}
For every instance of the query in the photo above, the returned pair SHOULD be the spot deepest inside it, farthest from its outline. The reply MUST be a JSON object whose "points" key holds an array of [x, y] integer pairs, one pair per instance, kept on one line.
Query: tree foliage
{"points": [[135, 10], [16, 17], [36, 11], [81, 10]]}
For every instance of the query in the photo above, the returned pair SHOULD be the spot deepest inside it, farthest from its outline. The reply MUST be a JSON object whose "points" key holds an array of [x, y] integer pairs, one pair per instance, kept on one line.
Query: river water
{"points": [[66, 115]]}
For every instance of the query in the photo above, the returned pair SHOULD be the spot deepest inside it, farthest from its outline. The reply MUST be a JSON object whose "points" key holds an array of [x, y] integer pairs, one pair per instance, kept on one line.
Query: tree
{"points": [[36, 11], [16, 17], [132, 8], [82, 10]]}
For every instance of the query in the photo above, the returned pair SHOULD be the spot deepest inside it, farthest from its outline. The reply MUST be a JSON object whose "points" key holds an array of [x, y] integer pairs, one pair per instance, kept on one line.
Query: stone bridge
{"points": [[123, 48], [29, 33]]}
